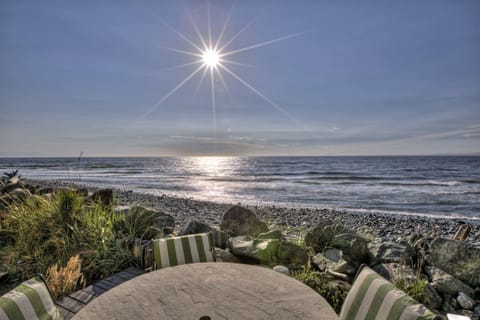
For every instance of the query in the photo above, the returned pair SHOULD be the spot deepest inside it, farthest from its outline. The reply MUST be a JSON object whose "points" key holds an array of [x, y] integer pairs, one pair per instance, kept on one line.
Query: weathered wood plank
{"points": [[74, 302], [87, 294], [71, 304], [67, 315]]}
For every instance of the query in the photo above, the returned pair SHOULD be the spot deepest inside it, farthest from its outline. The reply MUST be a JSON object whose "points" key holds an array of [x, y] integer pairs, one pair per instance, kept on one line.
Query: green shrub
{"points": [[48, 231], [318, 282]]}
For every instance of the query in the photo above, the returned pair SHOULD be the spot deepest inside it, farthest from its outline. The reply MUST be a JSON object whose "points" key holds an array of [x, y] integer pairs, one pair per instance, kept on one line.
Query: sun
{"points": [[211, 57]]}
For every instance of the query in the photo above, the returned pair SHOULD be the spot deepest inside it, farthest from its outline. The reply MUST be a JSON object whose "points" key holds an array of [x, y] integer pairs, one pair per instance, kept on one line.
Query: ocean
{"points": [[441, 186]]}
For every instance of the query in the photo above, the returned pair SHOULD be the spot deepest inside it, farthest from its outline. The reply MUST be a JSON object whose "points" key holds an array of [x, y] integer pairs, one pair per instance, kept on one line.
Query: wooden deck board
{"points": [[74, 302]]}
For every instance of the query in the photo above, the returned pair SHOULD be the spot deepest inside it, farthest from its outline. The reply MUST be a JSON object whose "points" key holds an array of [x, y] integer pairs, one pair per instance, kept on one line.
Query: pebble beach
{"points": [[380, 227]]}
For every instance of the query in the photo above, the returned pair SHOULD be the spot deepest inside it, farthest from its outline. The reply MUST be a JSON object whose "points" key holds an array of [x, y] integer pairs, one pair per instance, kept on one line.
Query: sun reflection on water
{"points": [[208, 175]]}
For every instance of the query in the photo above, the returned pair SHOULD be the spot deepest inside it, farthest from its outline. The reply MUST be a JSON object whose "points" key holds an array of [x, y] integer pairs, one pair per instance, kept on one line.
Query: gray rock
{"points": [[446, 307], [387, 252], [469, 313], [268, 251], [104, 196], [274, 234], [291, 255], [331, 259], [322, 235], [220, 238], [225, 256], [355, 249], [476, 310], [9, 187], [457, 258], [395, 272], [264, 251], [446, 283], [431, 296], [19, 194], [240, 221], [465, 301], [282, 269]]}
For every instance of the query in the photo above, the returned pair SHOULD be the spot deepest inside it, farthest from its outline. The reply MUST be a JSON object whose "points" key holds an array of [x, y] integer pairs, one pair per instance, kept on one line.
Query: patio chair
{"points": [[31, 300], [191, 248], [373, 297]]}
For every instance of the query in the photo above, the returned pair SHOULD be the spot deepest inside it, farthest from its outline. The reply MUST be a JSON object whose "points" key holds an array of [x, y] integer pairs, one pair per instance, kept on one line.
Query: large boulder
{"points": [[456, 258], [239, 221], [388, 252], [263, 250], [269, 252], [322, 235], [395, 272], [291, 255], [446, 283], [220, 238]]}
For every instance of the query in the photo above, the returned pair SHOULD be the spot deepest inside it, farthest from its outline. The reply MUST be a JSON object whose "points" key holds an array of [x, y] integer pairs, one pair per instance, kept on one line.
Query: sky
{"points": [[340, 78]]}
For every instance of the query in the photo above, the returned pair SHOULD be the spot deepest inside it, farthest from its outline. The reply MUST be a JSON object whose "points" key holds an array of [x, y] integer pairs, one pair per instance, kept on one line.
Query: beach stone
{"points": [[220, 238], [9, 187], [465, 301], [264, 251], [104, 196], [395, 272], [388, 252], [354, 248], [282, 269], [446, 283], [476, 309], [241, 221], [322, 235], [222, 255], [291, 255], [17, 194], [45, 190], [446, 307], [330, 259], [431, 296], [341, 285], [457, 258], [274, 234]]}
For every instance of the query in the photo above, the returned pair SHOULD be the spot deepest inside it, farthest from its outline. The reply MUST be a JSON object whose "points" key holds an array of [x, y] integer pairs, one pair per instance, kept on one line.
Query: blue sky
{"points": [[359, 78]]}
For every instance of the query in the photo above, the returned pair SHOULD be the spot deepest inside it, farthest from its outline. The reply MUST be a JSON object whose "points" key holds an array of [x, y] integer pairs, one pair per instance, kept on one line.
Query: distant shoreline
{"points": [[382, 227]]}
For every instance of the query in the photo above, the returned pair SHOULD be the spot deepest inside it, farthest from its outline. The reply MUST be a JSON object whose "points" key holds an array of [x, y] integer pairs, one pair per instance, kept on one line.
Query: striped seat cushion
{"points": [[29, 301], [181, 250], [373, 297]]}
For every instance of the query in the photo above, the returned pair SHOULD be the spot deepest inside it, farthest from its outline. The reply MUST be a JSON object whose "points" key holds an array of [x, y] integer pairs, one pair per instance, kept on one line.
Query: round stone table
{"points": [[210, 291]]}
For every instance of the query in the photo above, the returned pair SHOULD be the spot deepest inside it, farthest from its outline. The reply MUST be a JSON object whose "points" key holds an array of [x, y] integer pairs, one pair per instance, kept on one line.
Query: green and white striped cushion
{"points": [[29, 301], [373, 297], [192, 248]]}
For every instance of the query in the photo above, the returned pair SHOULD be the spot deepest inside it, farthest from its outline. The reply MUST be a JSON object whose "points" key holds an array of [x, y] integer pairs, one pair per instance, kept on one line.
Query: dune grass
{"points": [[48, 231]]}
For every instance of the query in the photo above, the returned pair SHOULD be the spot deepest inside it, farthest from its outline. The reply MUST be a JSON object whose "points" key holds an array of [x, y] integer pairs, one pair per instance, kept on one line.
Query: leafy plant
{"points": [[318, 282]]}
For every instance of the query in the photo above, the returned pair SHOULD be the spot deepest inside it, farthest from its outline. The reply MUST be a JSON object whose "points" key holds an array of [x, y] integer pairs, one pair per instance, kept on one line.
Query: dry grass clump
{"points": [[65, 280]]}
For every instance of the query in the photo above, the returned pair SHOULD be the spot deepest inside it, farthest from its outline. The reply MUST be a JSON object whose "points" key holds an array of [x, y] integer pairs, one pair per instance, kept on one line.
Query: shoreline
{"points": [[378, 226]]}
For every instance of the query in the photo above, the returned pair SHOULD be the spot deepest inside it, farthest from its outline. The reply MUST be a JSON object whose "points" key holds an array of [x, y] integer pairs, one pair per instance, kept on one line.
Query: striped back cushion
{"points": [[30, 300], [192, 248], [373, 297]]}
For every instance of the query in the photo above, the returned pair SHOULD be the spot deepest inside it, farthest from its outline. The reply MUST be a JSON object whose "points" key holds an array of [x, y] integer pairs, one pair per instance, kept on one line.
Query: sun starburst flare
{"points": [[212, 59]]}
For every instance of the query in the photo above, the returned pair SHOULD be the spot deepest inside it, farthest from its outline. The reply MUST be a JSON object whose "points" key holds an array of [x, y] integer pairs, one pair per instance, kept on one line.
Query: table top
{"points": [[210, 291]]}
